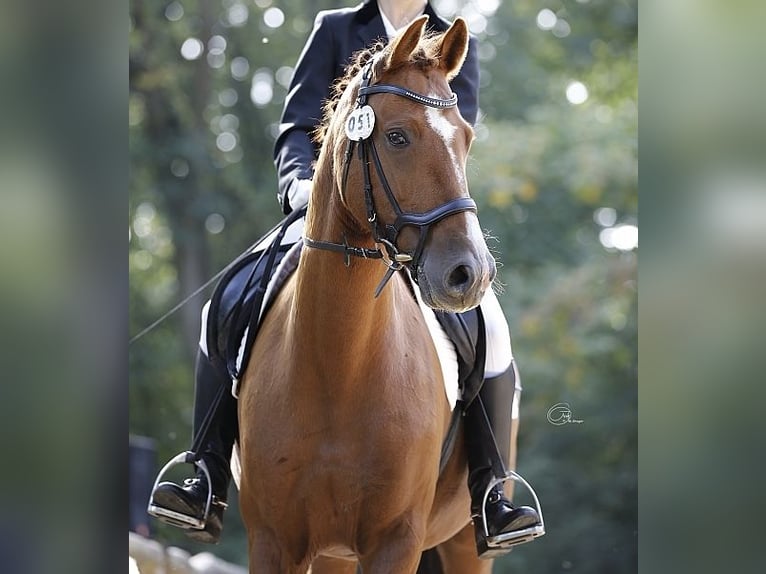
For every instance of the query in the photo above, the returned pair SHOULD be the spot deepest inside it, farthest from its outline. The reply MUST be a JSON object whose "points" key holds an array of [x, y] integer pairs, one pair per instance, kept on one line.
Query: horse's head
{"points": [[399, 148]]}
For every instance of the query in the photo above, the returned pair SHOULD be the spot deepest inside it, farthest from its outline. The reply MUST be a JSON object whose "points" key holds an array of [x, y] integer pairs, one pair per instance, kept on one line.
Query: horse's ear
{"points": [[406, 42], [454, 48]]}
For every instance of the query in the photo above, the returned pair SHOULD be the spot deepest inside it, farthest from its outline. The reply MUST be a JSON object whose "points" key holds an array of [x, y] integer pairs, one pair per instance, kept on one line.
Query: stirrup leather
{"points": [[179, 519], [502, 543]]}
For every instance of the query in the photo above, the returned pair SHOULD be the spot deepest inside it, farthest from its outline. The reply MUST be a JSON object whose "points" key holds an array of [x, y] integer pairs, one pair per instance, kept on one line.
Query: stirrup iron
{"points": [[171, 516], [502, 543]]}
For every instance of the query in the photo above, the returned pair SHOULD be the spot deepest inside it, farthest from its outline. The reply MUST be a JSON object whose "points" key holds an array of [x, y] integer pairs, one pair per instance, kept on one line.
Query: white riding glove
{"points": [[299, 192]]}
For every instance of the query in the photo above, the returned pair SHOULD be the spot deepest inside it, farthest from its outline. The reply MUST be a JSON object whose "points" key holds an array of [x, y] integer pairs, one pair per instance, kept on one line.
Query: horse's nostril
{"points": [[460, 277]]}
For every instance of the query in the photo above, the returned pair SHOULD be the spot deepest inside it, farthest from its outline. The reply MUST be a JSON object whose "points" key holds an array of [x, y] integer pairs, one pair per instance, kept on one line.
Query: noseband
{"points": [[387, 234]]}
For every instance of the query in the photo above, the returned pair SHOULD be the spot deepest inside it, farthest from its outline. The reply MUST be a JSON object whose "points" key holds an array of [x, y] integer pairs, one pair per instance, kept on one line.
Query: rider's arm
{"points": [[294, 151]]}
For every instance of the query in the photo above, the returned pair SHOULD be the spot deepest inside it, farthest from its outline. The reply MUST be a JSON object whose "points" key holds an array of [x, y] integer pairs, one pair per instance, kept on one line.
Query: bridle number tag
{"points": [[360, 123]]}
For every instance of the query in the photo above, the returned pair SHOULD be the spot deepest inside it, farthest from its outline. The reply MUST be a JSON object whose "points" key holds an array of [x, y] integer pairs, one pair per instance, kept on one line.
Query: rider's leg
{"points": [[488, 423], [191, 498]]}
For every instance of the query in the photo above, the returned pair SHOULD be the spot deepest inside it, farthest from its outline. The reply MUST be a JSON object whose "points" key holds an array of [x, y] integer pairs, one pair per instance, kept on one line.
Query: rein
{"points": [[386, 235]]}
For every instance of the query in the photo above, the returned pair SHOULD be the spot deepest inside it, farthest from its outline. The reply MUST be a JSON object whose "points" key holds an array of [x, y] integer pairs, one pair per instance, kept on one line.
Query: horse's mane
{"points": [[426, 56]]}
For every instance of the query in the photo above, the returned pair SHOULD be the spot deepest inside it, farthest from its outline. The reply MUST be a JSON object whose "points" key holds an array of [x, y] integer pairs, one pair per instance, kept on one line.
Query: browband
{"points": [[399, 91]]}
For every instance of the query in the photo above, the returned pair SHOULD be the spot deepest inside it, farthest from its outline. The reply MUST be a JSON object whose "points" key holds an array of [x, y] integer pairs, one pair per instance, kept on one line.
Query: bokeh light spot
{"points": [[229, 123], [226, 141], [240, 68], [141, 260], [143, 219], [546, 19], [228, 97], [274, 17], [561, 29], [447, 8], [136, 109], [235, 155], [605, 216], [577, 93], [487, 7], [174, 11], [477, 23], [622, 237], [179, 167], [237, 14], [262, 88], [214, 223], [216, 59], [284, 75], [216, 43], [192, 48]]}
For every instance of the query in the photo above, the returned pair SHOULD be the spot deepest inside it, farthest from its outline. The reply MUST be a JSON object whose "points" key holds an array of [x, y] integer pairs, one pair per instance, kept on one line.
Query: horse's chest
{"points": [[378, 450]]}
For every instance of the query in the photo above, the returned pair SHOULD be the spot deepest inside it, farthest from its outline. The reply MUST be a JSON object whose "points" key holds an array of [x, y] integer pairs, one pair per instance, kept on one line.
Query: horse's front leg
{"points": [[267, 557], [327, 565], [458, 554], [397, 549]]}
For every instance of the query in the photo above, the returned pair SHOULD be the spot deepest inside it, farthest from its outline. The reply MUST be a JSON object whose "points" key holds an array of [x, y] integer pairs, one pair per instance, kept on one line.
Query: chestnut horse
{"points": [[342, 407]]}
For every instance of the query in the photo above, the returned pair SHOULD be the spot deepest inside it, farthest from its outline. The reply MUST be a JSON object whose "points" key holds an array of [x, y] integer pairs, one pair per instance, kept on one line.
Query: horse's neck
{"points": [[351, 348], [337, 304], [328, 219], [333, 302]]}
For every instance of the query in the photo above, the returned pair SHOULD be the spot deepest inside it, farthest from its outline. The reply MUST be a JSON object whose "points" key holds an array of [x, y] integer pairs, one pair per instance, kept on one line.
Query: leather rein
{"points": [[387, 234]]}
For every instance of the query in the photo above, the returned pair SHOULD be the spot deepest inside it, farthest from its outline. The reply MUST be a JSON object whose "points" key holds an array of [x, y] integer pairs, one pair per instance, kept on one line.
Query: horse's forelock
{"points": [[424, 57]]}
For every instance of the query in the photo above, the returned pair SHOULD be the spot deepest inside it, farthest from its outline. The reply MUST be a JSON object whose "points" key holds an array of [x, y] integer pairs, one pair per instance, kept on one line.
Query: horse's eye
{"points": [[397, 139]]}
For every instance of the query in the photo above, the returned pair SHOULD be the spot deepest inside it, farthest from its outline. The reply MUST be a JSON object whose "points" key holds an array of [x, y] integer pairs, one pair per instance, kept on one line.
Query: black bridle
{"points": [[386, 235]]}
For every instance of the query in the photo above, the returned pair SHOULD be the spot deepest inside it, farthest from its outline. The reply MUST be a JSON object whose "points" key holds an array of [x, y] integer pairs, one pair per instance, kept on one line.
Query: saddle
{"points": [[240, 299]]}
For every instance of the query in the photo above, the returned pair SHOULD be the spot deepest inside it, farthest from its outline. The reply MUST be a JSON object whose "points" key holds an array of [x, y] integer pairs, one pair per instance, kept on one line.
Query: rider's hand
{"points": [[299, 192]]}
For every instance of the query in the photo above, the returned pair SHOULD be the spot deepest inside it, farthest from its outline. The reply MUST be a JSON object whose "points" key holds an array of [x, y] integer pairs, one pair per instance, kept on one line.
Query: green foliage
{"points": [[542, 170]]}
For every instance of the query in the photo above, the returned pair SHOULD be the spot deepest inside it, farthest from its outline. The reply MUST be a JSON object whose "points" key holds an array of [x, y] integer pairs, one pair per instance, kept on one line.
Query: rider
{"points": [[337, 34]]}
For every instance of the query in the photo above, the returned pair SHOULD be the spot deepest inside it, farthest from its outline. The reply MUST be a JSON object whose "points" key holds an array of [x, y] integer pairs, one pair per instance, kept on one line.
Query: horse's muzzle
{"points": [[456, 283]]}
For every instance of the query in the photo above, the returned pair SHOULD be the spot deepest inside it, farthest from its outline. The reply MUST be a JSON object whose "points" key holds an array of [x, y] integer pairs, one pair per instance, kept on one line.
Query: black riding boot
{"points": [[490, 414], [190, 499]]}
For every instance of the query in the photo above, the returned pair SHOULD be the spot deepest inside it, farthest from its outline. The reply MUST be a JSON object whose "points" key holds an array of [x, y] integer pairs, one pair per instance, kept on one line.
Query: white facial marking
{"points": [[440, 124], [446, 130], [474, 232]]}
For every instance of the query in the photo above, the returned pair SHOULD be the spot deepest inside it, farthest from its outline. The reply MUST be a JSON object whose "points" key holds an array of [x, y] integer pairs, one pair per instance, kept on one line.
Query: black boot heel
{"points": [[498, 525], [198, 506], [173, 507]]}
